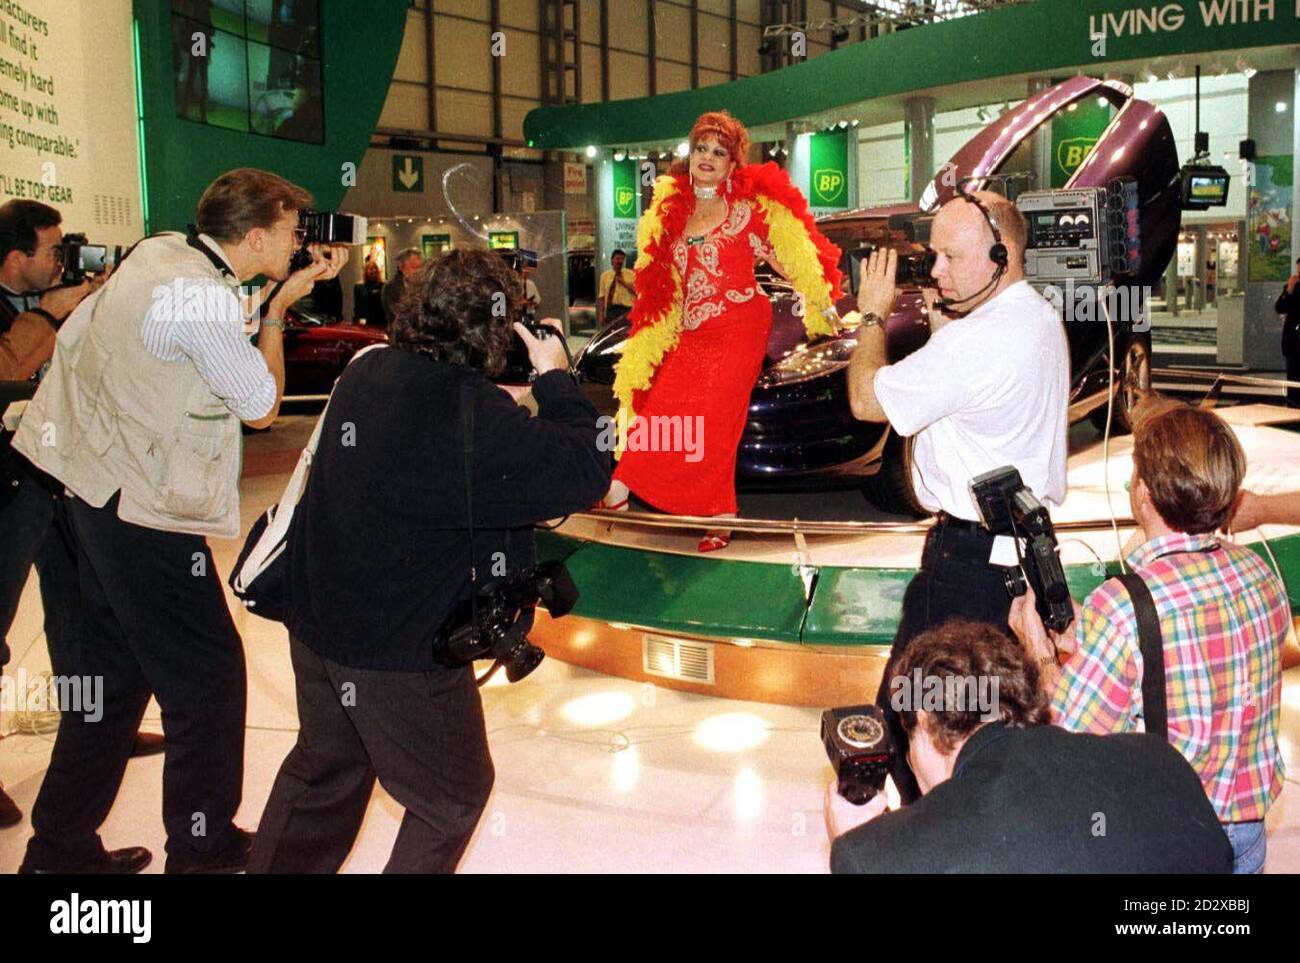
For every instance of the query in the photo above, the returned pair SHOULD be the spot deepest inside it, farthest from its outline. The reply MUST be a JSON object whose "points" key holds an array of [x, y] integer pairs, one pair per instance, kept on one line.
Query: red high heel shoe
{"points": [[715, 541]]}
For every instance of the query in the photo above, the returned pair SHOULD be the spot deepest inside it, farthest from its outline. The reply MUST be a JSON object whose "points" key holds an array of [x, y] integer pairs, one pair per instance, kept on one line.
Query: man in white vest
{"points": [[139, 418]]}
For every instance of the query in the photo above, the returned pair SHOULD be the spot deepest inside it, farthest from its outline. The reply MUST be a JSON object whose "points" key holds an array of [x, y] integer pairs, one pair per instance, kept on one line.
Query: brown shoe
{"points": [[147, 744], [10, 814]]}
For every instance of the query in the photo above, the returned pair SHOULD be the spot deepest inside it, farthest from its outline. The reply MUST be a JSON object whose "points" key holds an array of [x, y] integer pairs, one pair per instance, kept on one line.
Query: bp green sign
{"points": [[625, 189], [828, 170], [1074, 134]]}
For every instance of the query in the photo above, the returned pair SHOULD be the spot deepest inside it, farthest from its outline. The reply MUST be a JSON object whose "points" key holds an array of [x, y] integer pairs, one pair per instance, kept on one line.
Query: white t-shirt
{"points": [[987, 390]]}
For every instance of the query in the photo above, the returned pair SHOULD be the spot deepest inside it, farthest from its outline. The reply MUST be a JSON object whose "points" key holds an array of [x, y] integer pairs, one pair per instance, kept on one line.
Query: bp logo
{"points": [[1070, 153], [625, 202], [828, 185]]}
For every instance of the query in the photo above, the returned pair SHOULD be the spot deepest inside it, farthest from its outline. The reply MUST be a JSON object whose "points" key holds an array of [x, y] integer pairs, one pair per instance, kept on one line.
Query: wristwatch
{"points": [[871, 319], [273, 323]]}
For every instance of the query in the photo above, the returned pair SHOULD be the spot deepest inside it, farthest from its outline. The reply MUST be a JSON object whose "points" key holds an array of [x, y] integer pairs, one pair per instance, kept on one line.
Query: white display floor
{"points": [[593, 774]]}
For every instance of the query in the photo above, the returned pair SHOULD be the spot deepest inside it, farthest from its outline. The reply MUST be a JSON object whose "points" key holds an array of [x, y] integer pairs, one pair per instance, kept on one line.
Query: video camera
{"points": [[913, 269], [494, 624], [1008, 507], [857, 741], [81, 258], [326, 227]]}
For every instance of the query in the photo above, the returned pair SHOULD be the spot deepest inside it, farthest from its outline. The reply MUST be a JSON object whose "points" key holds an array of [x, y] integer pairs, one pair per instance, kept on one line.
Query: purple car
{"points": [[800, 431]]}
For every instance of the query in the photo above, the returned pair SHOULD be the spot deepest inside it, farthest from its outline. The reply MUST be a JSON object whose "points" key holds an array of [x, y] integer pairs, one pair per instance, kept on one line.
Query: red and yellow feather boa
{"points": [[810, 261]]}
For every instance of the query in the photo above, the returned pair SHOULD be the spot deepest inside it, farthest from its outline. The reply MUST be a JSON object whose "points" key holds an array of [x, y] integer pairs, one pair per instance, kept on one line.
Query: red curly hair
{"points": [[724, 128]]}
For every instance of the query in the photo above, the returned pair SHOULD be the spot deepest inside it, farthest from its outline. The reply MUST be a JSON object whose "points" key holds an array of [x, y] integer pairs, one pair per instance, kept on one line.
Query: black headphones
{"points": [[998, 252]]}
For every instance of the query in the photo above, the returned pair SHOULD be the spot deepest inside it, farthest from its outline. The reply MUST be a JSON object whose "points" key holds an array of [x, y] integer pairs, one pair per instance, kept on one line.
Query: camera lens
{"points": [[525, 661]]}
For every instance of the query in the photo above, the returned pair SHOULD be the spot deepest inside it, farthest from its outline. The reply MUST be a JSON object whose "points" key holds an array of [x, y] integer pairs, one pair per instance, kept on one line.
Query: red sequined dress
{"points": [[682, 459]]}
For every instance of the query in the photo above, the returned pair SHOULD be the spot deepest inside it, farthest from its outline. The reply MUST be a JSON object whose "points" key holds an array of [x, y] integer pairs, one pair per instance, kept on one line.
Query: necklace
{"points": [[705, 193]]}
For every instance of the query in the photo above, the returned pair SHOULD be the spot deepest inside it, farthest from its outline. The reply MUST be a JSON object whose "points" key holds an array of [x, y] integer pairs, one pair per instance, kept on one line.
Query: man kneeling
{"points": [[1006, 792]]}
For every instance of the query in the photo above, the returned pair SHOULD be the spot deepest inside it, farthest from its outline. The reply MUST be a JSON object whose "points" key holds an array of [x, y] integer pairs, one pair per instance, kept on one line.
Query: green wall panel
{"points": [[360, 42]]}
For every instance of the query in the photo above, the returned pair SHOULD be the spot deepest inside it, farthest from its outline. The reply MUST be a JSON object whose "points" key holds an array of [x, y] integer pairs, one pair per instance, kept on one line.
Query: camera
{"points": [[494, 624], [1008, 507], [326, 227], [857, 741], [914, 270], [81, 258]]}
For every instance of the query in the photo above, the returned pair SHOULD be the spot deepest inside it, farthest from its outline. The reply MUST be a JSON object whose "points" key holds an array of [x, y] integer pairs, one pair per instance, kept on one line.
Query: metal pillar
{"points": [[919, 114]]}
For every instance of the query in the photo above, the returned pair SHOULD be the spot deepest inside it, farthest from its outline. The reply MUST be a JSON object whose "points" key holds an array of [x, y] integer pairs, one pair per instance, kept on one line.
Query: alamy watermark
{"points": [[41, 693], [949, 693], [1129, 307], [681, 433]]}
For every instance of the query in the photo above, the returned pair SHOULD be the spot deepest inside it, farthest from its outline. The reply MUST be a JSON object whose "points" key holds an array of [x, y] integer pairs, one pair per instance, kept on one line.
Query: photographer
{"points": [[1013, 794], [990, 388], [32, 306], [139, 418], [380, 554], [1223, 619]]}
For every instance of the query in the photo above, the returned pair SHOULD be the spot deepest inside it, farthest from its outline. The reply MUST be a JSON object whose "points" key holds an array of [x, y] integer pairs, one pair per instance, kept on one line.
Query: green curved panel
{"points": [[360, 43], [1041, 37], [724, 599], [684, 594]]}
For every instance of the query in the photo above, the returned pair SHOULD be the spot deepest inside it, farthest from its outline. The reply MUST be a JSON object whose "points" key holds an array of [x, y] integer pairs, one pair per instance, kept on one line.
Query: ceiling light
{"points": [[619, 155], [1280, 107], [591, 151], [683, 149]]}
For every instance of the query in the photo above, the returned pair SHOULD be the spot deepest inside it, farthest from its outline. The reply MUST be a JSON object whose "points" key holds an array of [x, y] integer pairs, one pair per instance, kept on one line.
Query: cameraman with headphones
{"points": [[989, 389], [139, 419]]}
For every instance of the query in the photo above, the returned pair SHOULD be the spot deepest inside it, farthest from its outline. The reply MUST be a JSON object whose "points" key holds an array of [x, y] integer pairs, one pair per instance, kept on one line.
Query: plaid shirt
{"points": [[1223, 617]]}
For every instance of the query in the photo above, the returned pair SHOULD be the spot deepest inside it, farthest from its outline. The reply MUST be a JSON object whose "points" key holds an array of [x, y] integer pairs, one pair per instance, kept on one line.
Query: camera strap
{"points": [[1151, 644], [192, 239], [467, 430]]}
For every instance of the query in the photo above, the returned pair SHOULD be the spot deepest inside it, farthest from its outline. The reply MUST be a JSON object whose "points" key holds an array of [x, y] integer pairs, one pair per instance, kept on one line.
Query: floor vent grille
{"points": [[682, 659]]}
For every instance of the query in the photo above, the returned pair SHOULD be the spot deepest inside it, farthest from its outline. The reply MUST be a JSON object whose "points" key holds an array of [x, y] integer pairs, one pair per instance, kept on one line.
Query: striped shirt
{"points": [[201, 319], [1224, 617]]}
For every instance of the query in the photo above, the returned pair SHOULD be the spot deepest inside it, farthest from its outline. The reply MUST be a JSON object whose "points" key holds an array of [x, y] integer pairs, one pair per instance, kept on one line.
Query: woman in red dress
{"points": [[700, 323]]}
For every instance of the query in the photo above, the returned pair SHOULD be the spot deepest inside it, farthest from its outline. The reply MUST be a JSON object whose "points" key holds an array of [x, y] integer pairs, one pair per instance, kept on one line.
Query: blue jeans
{"points": [[1249, 846]]}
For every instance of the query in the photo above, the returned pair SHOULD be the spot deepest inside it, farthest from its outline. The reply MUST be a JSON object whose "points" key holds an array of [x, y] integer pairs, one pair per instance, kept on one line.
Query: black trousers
{"points": [[34, 530], [420, 733], [1293, 374], [154, 620], [955, 581]]}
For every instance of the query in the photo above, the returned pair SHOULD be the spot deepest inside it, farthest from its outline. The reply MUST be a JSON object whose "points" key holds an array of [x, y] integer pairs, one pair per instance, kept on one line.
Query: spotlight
{"points": [[854, 122], [1280, 107], [843, 124], [619, 155], [591, 151], [1246, 69], [683, 149]]}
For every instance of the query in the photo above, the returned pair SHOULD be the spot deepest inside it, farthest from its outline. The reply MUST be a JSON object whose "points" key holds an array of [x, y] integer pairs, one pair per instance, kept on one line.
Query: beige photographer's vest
{"points": [[110, 416]]}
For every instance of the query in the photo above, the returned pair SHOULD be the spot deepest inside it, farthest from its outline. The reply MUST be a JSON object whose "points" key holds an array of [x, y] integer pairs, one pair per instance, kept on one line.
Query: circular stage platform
{"points": [[803, 612]]}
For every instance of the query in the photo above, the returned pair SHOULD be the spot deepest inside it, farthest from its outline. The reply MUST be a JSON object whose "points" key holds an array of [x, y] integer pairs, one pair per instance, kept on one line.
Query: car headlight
{"points": [[810, 361]]}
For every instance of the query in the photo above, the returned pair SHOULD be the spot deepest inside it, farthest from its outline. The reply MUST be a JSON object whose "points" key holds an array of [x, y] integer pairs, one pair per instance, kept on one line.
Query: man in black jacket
{"points": [[380, 554], [1288, 304], [1005, 792]]}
